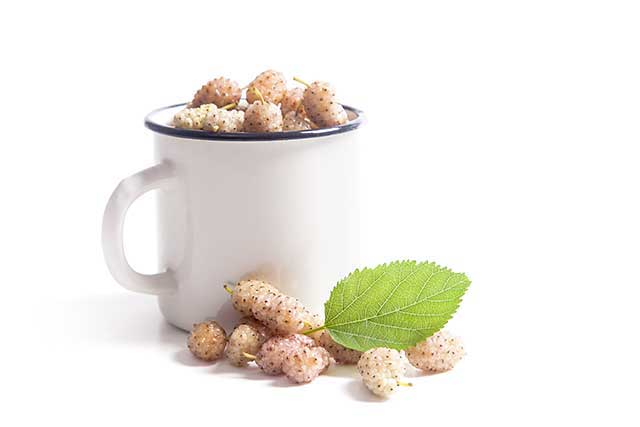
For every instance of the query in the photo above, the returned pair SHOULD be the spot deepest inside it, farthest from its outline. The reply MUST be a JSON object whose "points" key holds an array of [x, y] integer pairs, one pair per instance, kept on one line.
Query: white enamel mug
{"points": [[282, 207]]}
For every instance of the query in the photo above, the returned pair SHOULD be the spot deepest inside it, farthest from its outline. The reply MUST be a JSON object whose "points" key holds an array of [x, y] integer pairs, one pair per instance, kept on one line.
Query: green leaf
{"points": [[395, 305]]}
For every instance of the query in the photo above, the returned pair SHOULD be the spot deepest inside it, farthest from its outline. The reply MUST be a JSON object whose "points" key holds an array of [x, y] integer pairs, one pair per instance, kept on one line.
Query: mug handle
{"points": [[123, 196]]}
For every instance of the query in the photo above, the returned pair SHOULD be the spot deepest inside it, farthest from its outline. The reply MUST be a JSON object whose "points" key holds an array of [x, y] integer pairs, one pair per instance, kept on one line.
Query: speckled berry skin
{"points": [[193, 118], [207, 341], [304, 364], [322, 107], [248, 292], [293, 121], [220, 120], [244, 339], [381, 370], [438, 353], [219, 91], [342, 355], [271, 84], [274, 351], [258, 326], [292, 100], [282, 314], [262, 117]]}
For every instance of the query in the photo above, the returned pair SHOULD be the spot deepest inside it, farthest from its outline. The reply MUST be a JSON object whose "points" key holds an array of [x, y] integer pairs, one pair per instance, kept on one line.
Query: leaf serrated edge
{"points": [[386, 265]]}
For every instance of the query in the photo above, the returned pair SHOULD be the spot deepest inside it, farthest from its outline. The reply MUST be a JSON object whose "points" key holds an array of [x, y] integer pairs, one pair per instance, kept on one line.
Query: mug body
{"points": [[284, 210]]}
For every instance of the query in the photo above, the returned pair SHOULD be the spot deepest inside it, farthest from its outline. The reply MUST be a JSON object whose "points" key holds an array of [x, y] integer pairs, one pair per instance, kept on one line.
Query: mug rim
{"points": [[166, 129]]}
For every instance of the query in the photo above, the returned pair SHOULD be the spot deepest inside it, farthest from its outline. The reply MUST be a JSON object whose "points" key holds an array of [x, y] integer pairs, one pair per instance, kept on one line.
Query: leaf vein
{"points": [[357, 297]]}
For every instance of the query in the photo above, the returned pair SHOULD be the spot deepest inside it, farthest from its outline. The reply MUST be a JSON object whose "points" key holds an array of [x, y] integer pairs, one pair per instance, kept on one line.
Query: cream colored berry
{"points": [[293, 121], [207, 340], [304, 364], [273, 352], [382, 370], [271, 84], [292, 100], [193, 118], [219, 91], [262, 117], [322, 107], [258, 326], [220, 120], [247, 293], [341, 354], [282, 314], [245, 339], [438, 353]]}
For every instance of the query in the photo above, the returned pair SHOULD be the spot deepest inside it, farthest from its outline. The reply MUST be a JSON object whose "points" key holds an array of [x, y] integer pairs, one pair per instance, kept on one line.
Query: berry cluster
{"points": [[268, 106], [282, 337]]}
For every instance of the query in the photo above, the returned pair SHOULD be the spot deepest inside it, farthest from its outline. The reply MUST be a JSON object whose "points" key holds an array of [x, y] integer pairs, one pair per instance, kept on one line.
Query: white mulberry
{"points": [[381, 370], [438, 353], [275, 350], [281, 313], [247, 293], [322, 107], [193, 118], [207, 341], [341, 354], [294, 121], [292, 100], [262, 117], [219, 91], [245, 339], [271, 84], [220, 120], [304, 364]]}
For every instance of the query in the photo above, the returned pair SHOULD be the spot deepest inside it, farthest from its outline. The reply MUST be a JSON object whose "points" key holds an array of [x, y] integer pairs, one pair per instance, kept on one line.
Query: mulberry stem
{"points": [[404, 384], [299, 80], [249, 356], [228, 289], [257, 92], [229, 106]]}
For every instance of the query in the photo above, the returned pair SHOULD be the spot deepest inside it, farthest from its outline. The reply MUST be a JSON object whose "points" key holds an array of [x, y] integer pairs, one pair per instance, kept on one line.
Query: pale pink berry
{"points": [[274, 351], [322, 107], [292, 100], [258, 326], [282, 314], [438, 353], [219, 91], [247, 293], [341, 354], [294, 121], [381, 370], [262, 117], [244, 339], [207, 341], [304, 364], [271, 84]]}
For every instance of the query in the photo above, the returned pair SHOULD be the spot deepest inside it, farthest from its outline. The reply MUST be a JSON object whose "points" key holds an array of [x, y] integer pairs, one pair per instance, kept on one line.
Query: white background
{"points": [[501, 141]]}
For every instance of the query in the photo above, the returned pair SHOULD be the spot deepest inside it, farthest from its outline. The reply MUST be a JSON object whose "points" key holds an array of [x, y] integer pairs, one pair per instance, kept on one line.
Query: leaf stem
{"points": [[319, 328]]}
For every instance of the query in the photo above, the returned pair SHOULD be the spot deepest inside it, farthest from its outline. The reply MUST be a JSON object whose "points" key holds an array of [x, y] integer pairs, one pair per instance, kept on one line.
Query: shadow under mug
{"points": [[282, 207]]}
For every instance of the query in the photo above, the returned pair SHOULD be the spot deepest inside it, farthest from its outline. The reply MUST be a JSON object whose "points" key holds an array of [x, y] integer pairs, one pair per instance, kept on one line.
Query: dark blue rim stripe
{"points": [[251, 136]]}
